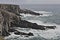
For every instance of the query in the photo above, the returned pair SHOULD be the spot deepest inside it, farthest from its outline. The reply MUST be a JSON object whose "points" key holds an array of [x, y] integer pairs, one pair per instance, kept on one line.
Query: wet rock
{"points": [[51, 27], [26, 24], [22, 33], [26, 11], [17, 32], [12, 30], [30, 34]]}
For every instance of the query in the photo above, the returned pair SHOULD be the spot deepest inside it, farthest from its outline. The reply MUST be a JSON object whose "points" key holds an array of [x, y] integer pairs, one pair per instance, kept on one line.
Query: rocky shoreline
{"points": [[26, 11], [10, 14]]}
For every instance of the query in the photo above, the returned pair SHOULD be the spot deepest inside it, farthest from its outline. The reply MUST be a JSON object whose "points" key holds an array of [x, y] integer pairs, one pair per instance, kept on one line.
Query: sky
{"points": [[30, 1]]}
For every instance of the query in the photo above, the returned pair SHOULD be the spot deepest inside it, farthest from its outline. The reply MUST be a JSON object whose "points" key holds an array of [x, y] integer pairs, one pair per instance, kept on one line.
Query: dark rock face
{"points": [[16, 9], [22, 33], [51, 27], [17, 33], [26, 24], [7, 18], [11, 30], [11, 8], [30, 34], [26, 11], [5, 33]]}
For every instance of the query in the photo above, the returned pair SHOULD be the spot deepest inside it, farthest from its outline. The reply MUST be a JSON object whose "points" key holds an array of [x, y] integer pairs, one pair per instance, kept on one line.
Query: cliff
{"points": [[11, 8], [9, 14], [10, 17]]}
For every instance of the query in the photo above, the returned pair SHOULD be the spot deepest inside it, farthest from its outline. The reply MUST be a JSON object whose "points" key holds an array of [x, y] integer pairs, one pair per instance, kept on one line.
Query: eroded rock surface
{"points": [[7, 18]]}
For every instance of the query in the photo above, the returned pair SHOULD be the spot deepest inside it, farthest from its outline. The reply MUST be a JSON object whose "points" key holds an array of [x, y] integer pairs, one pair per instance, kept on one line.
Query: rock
{"points": [[30, 34], [22, 33], [11, 8], [5, 33], [26, 11], [12, 30], [17, 33], [9, 16], [26, 24], [51, 27]]}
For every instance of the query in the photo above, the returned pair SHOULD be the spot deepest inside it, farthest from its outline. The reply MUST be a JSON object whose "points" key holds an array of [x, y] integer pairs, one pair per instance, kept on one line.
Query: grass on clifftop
{"points": [[1, 38]]}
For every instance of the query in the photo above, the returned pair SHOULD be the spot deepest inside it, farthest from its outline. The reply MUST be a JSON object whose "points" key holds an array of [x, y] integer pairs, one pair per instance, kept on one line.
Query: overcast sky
{"points": [[30, 1]]}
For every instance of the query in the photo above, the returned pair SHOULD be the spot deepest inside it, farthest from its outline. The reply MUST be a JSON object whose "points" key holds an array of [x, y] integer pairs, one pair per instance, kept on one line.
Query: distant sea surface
{"points": [[51, 16], [53, 9]]}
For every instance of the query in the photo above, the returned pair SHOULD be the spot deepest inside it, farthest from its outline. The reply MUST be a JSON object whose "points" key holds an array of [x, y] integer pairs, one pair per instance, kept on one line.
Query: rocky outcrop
{"points": [[22, 33], [26, 24], [16, 32], [11, 8], [26, 11], [7, 18], [16, 9]]}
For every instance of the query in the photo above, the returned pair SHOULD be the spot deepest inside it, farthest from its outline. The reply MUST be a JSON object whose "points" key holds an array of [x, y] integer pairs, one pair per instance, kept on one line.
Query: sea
{"points": [[50, 17]]}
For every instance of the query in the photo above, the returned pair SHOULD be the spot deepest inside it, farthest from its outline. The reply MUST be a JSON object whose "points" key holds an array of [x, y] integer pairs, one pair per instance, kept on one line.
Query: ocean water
{"points": [[51, 16]]}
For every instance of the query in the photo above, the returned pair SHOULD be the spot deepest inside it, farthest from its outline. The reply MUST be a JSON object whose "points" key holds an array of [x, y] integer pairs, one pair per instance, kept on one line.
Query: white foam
{"points": [[25, 15], [40, 22], [42, 12]]}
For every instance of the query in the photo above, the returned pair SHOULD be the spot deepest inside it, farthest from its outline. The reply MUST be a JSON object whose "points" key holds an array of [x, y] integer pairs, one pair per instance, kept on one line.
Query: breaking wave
{"points": [[44, 13]]}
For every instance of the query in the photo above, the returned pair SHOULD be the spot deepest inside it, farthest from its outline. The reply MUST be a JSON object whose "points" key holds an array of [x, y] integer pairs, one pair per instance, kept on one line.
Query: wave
{"points": [[41, 23], [48, 34], [45, 13], [44, 34], [42, 12], [25, 15]]}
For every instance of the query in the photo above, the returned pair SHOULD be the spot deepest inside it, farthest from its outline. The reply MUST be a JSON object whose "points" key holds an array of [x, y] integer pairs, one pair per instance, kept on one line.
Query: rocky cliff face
{"points": [[9, 17], [11, 8]]}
